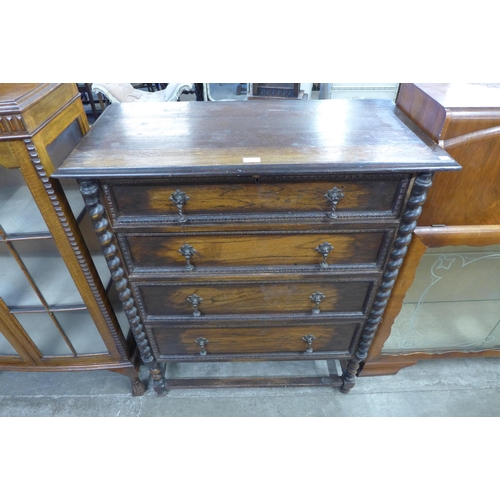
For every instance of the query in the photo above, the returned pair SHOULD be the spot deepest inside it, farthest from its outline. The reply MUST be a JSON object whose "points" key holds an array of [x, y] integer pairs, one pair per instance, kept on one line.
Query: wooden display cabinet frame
{"points": [[378, 363], [32, 116]]}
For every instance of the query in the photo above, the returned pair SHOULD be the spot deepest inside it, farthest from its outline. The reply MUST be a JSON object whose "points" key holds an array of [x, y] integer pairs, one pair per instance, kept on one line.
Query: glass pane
{"points": [[364, 91], [6, 348], [60, 148], [81, 331], [19, 213], [15, 289], [453, 303], [49, 272], [44, 333]]}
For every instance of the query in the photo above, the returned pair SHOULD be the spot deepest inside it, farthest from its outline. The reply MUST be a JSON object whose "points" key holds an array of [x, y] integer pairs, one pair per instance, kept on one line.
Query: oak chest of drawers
{"points": [[257, 230]]}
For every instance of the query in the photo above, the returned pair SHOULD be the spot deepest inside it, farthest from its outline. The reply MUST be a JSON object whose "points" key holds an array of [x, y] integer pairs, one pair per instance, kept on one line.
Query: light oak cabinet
{"points": [[55, 312]]}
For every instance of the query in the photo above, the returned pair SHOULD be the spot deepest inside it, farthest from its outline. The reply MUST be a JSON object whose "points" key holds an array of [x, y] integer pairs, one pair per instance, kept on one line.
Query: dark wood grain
{"points": [[254, 252], [248, 341], [204, 138], [258, 195], [165, 299], [249, 216]]}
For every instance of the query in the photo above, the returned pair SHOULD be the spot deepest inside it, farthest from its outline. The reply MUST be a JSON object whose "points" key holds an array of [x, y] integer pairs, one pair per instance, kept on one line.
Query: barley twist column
{"points": [[409, 221], [90, 193]]}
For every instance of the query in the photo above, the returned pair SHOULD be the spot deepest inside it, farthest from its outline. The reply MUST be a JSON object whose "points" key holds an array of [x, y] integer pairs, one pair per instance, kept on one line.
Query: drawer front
{"points": [[197, 253], [259, 198], [253, 341], [228, 299]]}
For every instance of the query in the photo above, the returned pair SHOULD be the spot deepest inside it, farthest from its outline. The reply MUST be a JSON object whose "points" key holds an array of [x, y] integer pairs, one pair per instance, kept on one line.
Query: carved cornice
{"points": [[12, 125], [25, 108]]}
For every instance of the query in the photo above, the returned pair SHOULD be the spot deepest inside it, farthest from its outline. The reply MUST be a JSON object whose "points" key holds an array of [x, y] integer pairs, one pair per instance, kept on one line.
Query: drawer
{"points": [[152, 202], [254, 252], [209, 300], [251, 342]]}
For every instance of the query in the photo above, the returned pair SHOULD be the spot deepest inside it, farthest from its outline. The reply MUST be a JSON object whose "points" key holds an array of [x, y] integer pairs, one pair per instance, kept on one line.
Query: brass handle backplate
{"points": [[334, 195], [309, 339], [316, 297], [187, 251], [202, 342], [324, 249], [195, 300], [179, 199]]}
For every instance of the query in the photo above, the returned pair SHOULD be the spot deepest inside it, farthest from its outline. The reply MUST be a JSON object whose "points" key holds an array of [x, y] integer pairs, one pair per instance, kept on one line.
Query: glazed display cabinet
{"points": [[57, 310]]}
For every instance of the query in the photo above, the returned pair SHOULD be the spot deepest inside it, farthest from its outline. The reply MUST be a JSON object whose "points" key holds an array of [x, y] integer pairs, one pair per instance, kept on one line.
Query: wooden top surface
{"points": [[13, 91], [207, 138], [463, 95], [16, 97]]}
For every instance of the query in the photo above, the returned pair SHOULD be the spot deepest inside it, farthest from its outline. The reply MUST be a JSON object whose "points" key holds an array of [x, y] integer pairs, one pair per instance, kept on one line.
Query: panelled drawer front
{"points": [[172, 341], [259, 198], [225, 253], [254, 298]]}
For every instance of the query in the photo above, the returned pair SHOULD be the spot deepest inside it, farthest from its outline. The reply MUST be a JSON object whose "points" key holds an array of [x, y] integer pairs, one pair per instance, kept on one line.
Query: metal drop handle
{"points": [[187, 251], [334, 195], [179, 199], [195, 300], [202, 342], [309, 339], [316, 297], [324, 249]]}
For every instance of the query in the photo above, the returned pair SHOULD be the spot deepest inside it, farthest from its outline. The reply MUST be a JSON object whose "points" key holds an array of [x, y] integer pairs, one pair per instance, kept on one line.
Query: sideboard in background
{"points": [[446, 302]]}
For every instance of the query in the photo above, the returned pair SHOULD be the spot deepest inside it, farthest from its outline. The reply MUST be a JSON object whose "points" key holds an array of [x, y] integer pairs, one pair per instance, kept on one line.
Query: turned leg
{"points": [[409, 221], [138, 387], [90, 193]]}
